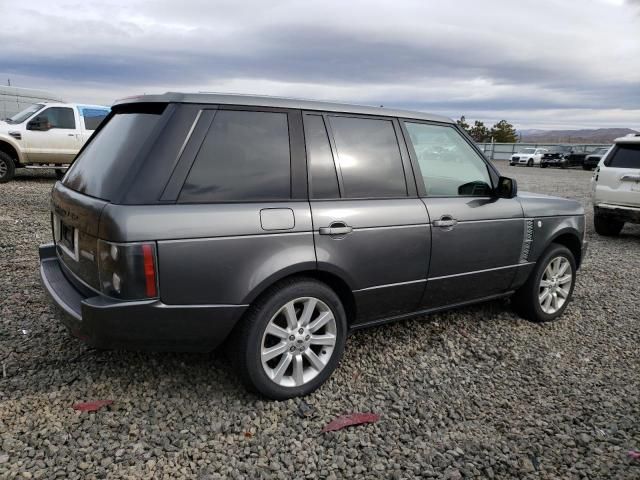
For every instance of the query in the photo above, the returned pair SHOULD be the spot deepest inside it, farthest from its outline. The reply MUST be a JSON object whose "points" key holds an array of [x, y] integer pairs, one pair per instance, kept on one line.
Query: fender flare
{"points": [[12, 142]]}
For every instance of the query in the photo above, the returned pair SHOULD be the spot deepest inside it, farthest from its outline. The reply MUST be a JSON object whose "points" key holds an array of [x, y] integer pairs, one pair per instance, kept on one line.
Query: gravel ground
{"points": [[476, 392]]}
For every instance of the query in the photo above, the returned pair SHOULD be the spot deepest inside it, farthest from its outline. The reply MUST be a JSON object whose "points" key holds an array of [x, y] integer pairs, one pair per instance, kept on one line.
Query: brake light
{"points": [[149, 270], [128, 270]]}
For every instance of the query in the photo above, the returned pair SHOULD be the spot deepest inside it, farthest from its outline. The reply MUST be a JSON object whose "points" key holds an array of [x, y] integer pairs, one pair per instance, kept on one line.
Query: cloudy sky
{"points": [[538, 64]]}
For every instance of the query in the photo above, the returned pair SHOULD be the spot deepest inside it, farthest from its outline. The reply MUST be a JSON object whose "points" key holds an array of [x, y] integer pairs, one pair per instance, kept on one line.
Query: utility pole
{"points": [[8, 82]]}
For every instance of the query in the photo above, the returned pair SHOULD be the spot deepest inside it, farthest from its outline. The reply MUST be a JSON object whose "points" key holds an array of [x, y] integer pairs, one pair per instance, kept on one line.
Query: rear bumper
{"points": [[618, 212], [103, 322]]}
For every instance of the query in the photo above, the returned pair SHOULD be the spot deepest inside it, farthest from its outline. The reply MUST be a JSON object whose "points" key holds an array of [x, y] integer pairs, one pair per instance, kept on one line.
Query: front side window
{"points": [[244, 157], [449, 166], [369, 158], [57, 117]]}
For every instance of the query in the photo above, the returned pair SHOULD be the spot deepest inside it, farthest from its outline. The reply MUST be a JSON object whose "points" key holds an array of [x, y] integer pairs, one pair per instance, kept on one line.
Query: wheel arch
{"points": [[571, 239], [10, 149], [334, 281]]}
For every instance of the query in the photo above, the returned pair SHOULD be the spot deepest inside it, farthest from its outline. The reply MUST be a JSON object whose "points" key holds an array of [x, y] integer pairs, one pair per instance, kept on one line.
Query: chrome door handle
{"points": [[336, 228], [446, 221]]}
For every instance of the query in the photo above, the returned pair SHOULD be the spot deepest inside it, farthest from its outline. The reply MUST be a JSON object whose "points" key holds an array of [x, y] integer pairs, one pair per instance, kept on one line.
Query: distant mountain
{"points": [[598, 135]]}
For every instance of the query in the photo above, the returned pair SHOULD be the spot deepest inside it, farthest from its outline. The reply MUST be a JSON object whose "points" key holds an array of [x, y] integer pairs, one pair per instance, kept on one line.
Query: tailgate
{"points": [[75, 222]]}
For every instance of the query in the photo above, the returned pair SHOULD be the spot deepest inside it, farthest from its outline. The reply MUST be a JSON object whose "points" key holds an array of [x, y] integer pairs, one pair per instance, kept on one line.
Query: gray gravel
{"points": [[473, 393]]}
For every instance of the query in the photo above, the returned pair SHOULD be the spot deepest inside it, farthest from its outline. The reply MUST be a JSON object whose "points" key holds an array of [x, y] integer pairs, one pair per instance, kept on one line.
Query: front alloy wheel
{"points": [[291, 339], [548, 290], [555, 285]]}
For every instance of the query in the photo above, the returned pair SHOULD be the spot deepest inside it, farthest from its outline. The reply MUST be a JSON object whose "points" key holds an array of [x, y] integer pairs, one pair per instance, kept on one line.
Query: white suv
{"points": [[46, 135], [616, 187]]}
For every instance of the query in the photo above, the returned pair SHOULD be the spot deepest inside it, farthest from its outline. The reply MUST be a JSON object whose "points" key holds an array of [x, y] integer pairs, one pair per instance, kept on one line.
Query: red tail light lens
{"points": [[128, 270], [149, 270]]}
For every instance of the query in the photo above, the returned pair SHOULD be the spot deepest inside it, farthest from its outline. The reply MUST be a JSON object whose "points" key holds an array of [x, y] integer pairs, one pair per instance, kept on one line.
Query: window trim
{"points": [[173, 189], [422, 191], [404, 161]]}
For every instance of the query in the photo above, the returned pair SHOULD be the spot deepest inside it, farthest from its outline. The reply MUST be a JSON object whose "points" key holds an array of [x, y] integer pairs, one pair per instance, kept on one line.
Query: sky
{"points": [[544, 64]]}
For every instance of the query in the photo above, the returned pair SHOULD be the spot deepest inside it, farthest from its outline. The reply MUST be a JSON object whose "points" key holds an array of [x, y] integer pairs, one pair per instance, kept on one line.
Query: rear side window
{"points": [[58, 117], [625, 156], [92, 117], [244, 157], [369, 157], [323, 182], [111, 153]]}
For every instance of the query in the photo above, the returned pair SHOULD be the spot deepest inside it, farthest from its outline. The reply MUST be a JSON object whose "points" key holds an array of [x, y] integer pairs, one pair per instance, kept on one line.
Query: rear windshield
{"points": [[108, 158], [625, 156]]}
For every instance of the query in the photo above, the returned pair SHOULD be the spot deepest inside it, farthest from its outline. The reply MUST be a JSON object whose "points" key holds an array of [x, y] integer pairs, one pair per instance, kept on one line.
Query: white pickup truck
{"points": [[46, 135]]}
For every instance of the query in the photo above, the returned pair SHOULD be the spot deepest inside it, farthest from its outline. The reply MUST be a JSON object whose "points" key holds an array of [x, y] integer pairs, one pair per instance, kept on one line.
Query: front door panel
{"points": [[479, 254]]}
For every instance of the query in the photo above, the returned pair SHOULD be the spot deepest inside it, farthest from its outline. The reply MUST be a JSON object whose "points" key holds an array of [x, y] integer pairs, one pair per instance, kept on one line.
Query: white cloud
{"points": [[544, 63]]}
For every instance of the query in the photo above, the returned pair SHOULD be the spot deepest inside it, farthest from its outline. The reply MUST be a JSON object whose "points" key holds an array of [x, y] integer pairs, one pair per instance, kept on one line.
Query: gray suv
{"points": [[281, 225]]}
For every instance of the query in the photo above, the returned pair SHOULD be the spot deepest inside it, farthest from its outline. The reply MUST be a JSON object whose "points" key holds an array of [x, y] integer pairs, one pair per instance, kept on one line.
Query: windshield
{"points": [[24, 114], [528, 150], [600, 151]]}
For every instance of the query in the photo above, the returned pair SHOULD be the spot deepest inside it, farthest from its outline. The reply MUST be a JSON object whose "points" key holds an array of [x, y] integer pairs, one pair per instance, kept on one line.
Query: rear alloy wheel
{"points": [[549, 288], [291, 340], [7, 168], [606, 226], [530, 162]]}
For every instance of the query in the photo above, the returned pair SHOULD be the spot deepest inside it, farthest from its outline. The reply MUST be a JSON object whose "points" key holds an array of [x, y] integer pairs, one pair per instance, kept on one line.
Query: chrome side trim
{"points": [[480, 271], [422, 280], [186, 140], [387, 227], [232, 237]]}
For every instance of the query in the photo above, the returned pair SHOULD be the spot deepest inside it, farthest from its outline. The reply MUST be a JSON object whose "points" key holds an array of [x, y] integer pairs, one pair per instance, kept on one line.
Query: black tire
{"points": [[512, 164], [245, 346], [526, 302], [586, 167], [7, 167], [60, 173], [543, 165], [530, 162], [564, 165], [606, 226]]}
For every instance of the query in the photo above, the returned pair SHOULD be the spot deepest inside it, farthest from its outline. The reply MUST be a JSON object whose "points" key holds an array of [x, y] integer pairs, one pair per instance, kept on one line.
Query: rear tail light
{"points": [[128, 271]]}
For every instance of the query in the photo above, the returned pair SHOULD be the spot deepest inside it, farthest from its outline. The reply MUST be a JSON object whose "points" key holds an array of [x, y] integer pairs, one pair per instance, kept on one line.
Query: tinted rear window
{"points": [[369, 157], [625, 156], [106, 161], [245, 157]]}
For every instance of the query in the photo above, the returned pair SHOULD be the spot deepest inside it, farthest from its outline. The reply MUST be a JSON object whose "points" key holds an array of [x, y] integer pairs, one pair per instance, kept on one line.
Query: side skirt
{"points": [[420, 313]]}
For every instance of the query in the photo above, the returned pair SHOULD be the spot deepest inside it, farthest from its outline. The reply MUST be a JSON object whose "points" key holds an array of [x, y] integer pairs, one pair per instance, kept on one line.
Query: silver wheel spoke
{"points": [[545, 283], [564, 264], [565, 279], [326, 339], [274, 351], [298, 371], [563, 293], [321, 321], [314, 360], [544, 295], [309, 307], [278, 372], [290, 315], [277, 331]]}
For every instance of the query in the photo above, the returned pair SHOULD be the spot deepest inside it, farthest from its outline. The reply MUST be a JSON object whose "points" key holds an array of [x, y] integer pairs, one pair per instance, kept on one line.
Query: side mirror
{"points": [[40, 123], [507, 187]]}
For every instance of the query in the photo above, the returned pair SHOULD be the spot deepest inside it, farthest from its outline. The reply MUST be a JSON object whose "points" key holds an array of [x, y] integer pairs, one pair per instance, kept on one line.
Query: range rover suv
{"points": [[281, 225]]}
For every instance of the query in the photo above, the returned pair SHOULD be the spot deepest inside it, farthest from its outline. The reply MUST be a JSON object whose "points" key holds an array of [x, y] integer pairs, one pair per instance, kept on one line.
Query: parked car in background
{"points": [[283, 224], [591, 161], [562, 156], [616, 187], [46, 135], [527, 156]]}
